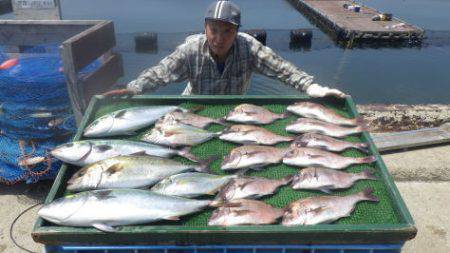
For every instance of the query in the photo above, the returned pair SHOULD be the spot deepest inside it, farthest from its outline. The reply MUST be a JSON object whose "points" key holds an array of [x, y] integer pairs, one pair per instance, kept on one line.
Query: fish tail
{"points": [[298, 141], [285, 114], [361, 126], [203, 165], [367, 159], [367, 174], [217, 202], [287, 179], [359, 121], [221, 121], [367, 194], [185, 152], [226, 130], [289, 138], [362, 146]]}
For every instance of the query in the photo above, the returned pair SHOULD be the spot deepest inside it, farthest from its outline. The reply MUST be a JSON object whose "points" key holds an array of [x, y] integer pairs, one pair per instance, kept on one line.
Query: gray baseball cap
{"points": [[224, 10]]}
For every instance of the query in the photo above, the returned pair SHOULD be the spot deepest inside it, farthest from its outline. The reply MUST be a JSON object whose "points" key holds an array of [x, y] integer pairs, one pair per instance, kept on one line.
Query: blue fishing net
{"points": [[34, 108], [16, 163]]}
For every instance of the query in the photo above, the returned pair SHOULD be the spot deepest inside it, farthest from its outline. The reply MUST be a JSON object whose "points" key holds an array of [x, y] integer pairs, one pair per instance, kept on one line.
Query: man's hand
{"points": [[315, 90], [119, 92]]}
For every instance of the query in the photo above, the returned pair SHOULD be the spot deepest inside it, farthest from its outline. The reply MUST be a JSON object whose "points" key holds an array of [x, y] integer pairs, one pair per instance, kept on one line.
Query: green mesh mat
{"points": [[382, 212]]}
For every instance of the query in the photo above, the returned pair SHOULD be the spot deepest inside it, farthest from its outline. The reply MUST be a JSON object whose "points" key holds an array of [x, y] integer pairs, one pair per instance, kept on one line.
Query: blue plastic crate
{"points": [[348, 248]]}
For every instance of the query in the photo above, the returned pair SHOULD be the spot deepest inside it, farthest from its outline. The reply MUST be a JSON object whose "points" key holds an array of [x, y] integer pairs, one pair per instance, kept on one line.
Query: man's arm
{"points": [[173, 68], [268, 63]]}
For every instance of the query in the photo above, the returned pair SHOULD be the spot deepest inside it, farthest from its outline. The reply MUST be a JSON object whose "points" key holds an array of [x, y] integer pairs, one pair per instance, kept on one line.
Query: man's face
{"points": [[220, 36]]}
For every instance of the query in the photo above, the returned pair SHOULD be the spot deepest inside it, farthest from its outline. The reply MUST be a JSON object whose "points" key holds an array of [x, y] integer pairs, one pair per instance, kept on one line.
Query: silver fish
{"points": [[248, 134], [305, 125], [127, 121], [191, 184], [324, 209], [244, 211], [175, 134], [82, 153], [128, 172], [249, 187], [305, 157], [252, 156], [327, 179], [320, 112], [191, 119], [312, 140], [105, 209], [252, 114]]}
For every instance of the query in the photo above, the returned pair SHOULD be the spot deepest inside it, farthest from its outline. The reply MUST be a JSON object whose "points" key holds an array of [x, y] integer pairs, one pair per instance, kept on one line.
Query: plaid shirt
{"points": [[193, 61]]}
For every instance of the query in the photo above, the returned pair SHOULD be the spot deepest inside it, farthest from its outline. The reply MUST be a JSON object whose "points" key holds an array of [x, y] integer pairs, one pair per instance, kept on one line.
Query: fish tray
{"points": [[385, 222]]}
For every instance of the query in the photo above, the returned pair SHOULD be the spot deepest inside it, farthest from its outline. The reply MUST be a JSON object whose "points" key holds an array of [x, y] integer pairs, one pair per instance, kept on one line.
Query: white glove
{"points": [[315, 90]]}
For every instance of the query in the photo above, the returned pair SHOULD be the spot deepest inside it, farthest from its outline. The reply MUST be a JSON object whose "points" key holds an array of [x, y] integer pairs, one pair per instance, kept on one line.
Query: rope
{"points": [[11, 228]]}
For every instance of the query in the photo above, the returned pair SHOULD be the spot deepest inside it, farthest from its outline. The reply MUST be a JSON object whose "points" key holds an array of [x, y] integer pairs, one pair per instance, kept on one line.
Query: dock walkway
{"points": [[350, 25]]}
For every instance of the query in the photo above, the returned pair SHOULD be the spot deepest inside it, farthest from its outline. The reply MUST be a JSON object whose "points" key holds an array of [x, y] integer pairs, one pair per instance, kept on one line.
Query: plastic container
{"points": [[385, 223], [369, 248]]}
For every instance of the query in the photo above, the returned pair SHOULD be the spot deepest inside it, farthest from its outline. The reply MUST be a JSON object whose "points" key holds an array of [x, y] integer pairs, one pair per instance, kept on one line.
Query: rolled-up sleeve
{"points": [[173, 68], [268, 63]]}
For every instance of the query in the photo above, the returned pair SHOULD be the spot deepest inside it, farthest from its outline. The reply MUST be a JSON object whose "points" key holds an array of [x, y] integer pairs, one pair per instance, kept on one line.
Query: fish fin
{"points": [[229, 204], [197, 108], [317, 210], [324, 147], [211, 193], [169, 133], [326, 189], [368, 174], [140, 153], [367, 194], [120, 114], [251, 153], [242, 186], [241, 212], [103, 148], [241, 172], [129, 133], [315, 156], [249, 113], [172, 218], [203, 165], [249, 142], [185, 152], [105, 228], [114, 168]]}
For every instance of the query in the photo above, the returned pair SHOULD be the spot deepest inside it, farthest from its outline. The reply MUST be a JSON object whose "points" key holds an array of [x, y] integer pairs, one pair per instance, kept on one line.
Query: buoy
{"points": [[258, 34], [146, 42], [301, 35], [300, 39], [9, 63]]}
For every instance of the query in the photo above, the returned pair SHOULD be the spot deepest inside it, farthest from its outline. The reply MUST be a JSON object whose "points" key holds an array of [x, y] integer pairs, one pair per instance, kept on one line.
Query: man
{"points": [[222, 61]]}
